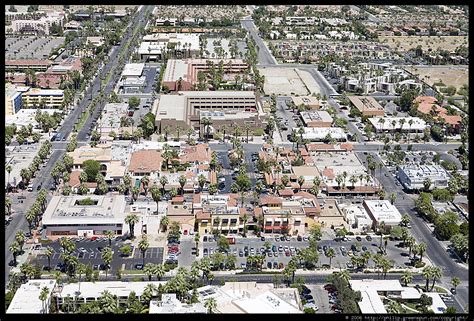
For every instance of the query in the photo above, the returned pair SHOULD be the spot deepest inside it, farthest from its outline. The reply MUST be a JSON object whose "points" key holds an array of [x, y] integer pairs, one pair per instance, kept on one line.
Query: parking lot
{"points": [[150, 73], [29, 48], [285, 250], [89, 252]]}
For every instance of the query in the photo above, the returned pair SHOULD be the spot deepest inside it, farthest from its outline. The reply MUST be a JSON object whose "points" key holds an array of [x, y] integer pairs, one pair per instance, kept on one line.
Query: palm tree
{"points": [[131, 220], [455, 282], [301, 181], [165, 222], [156, 195], [406, 277], [20, 238], [145, 180], [182, 181], [9, 169], [49, 253], [393, 197], [210, 304], [159, 271], [143, 246], [427, 273], [437, 275], [330, 253], [163, 182], [202, 181], [43, 297], [196, 240], [14, 248], [405, 219], [149, 270], [107, 258], [344, 274], [422, 249], [110, 235]]}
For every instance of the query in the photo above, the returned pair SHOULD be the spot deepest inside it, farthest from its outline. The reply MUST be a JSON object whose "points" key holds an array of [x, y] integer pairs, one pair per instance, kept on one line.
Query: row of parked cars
{"points": [[333, 300]]}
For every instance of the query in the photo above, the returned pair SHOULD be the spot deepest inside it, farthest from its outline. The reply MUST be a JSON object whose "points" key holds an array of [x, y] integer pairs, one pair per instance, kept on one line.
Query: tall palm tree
{"points": [[182, 181], [131, 220], [330, 253], [156, 195], [143, 247], [422, 249], [110, 235], [9, 169], [437, 274], [107, 258], [427, 273], [455, 282], [14, 248], [43, 297], [149, 270]]}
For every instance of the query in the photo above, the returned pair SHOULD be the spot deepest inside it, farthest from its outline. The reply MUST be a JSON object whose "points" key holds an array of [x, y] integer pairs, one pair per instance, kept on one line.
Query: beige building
{"points": [[217, 212], [367, 105], [320, 118], [41, 98], [182, 213], [330, 214], [309, 102], [187, 108]]}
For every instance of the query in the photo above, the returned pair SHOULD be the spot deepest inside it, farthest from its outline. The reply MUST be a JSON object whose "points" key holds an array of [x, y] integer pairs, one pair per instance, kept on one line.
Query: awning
{"points": [[204, 221], [277, 219], [285, 220], [269, 220], [297, 219]]}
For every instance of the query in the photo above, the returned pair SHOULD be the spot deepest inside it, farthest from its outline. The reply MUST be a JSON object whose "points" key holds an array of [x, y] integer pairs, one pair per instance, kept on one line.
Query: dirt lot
{"points": [[450, 75], [404, 43], [282, 81]]}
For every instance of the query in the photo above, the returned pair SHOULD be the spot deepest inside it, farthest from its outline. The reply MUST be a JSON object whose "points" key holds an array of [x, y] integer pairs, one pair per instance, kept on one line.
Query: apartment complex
{"points": [[187, 108]]}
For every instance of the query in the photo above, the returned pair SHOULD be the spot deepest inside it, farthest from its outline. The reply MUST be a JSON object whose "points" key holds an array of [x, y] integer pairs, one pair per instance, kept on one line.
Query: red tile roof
{"points": [[145, 161]]}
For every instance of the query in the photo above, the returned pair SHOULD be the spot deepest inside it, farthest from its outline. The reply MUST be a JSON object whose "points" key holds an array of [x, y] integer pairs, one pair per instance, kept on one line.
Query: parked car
{"points": [[139, 266], [369, 238]]}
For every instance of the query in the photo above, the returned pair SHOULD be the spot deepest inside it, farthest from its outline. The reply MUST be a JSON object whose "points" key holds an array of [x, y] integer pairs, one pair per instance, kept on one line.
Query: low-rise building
{"points": [[310, 102], [414, 177], [41, 98], [24, 64], [382, 211], [40, 26], [319, 134], [154, 45], [132, 79], [356, 217], [319, 118], [372, 290], [251, 297], [330, 215], [65, 216], [367, 105], [401, 124], [27, 298], [170, 304], [217, 212]]}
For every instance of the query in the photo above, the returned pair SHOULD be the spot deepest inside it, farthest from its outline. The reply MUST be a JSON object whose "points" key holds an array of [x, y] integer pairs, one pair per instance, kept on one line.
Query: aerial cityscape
{"points": [[308, 159]]}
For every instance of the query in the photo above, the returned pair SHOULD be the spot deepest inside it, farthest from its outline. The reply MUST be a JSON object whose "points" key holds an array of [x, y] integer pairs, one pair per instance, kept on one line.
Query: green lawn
{"points": [[440, 290]]}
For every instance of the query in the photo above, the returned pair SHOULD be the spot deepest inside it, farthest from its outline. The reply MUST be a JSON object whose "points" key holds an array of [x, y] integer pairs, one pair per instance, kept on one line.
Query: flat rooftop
{"points": [[65, 210], [133, 70], [383, 210], [418, 123], [118, 288], [421, 172], [26, 299], [365, 103]]}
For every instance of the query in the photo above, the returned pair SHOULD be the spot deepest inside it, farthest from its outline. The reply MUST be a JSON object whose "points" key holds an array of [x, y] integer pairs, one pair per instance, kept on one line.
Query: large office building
{"points": [[27, 298], [66, 216], [188, 108], [183, 74], [413, 177], [42, 98]]}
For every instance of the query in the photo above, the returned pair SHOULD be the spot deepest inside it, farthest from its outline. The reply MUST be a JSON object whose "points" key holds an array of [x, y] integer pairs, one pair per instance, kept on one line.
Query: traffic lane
{"points": [[321, 297]]}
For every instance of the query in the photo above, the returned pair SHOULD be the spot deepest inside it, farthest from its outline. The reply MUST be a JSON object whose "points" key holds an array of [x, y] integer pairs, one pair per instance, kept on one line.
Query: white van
{"points": [[30, 187]]}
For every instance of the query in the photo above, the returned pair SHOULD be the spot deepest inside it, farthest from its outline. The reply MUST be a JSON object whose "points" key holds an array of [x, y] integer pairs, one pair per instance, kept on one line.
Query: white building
{"points": [[412, 177], [385, 124], [356, 216], [64, 216], [26, 299], [323, 133], [154, 45], [132, 79], [382, 211], [371, 290], [110, 120], [38, 26], [170, 304], [251, 297], [91, 291]]}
